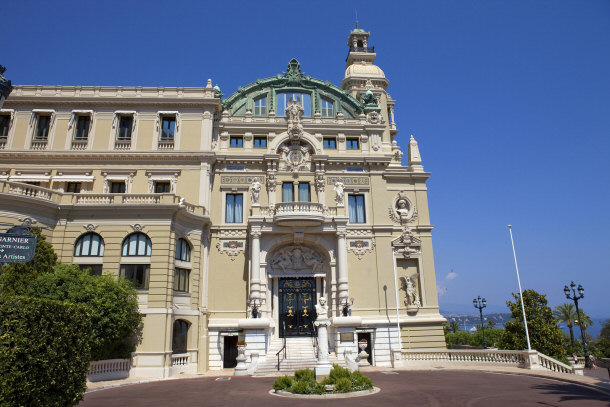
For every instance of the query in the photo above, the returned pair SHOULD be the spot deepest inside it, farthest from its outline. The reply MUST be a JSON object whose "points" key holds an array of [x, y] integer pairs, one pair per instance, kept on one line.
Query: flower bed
{"points": [[340, 380]]}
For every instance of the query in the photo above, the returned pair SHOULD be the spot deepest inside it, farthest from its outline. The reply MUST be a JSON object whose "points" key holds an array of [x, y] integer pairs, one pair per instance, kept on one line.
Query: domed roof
{"points": [[363, 69]]}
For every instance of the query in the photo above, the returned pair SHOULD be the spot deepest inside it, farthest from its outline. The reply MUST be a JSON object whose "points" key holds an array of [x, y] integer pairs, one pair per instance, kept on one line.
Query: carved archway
{"points": [[297, 260]]}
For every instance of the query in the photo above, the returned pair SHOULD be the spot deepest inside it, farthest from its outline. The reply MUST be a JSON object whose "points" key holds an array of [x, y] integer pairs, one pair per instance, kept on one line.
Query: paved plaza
{"points": [[398, 388]]}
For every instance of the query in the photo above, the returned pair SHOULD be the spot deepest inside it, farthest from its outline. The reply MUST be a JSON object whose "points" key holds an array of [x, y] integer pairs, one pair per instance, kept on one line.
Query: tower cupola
{"points": [[360, 70]]}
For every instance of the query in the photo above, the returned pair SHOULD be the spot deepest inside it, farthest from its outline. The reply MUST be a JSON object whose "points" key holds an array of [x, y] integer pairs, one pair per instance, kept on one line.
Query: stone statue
{"points": [[322, 311], [339, 191], [409, 285], [402, 209], [294, 110], [255, 191], [369, 98]]}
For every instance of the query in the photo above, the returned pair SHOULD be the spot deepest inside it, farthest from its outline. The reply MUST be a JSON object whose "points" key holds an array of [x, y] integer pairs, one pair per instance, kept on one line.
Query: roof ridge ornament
{"points": [[293, 72]]}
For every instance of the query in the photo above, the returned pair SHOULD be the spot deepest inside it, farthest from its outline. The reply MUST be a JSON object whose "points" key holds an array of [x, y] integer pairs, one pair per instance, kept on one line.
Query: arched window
{"points": [[180, 333], [89, 244], [326, 106], [183, 250], [136, 244]]}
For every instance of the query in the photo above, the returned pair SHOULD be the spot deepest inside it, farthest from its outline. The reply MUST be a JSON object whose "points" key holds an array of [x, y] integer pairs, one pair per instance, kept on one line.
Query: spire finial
{"points": [[356, 11]]}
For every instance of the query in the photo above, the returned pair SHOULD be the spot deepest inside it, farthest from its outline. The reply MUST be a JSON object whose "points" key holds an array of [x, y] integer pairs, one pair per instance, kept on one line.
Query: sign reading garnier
{"points": [[17, 248]]}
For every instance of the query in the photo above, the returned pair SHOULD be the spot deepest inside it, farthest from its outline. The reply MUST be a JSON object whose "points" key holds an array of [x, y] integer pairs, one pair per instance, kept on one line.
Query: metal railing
{"points": [[283, 347], [361, 49]]}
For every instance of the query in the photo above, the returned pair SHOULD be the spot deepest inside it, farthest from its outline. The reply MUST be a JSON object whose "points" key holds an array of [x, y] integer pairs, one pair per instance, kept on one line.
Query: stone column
{"points": [[342, 264], [255, 266]]}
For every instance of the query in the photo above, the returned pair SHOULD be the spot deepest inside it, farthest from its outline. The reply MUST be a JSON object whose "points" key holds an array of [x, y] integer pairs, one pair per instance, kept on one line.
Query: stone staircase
{"points": [[299, 355]]}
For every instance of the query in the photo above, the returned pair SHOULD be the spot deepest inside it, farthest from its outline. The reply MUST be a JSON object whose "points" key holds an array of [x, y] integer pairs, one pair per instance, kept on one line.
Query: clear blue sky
{"points": [[509, 100]]}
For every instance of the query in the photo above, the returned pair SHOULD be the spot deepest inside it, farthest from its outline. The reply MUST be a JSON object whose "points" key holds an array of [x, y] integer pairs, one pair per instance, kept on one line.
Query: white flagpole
{"points": [[527, 335]]}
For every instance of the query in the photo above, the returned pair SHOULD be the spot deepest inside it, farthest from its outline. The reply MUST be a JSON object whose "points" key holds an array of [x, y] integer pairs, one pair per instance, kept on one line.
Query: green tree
{"points": [[545, 334], [454, 326], [112, 305], [566, 313], [602, 344], [15, 277]]}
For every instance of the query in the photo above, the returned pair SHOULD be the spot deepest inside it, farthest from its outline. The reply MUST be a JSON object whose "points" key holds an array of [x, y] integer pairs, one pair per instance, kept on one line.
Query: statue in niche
{"points": [[339, 193], [322, 310], [255, 191], [294, 111], [409, 285], [402, 208]]}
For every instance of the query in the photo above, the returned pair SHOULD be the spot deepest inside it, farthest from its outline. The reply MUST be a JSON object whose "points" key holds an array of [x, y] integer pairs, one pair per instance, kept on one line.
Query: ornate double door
{"points": [[297, 298]]}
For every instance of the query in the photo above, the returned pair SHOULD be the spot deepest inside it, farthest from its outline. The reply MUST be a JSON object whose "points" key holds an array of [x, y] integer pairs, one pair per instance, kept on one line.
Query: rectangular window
{"points": [[137, 274], [117, 187], [73, 187], [352, 144], [260, 142], [168, 127], [162, 187], [330, 143], [304, 192], [5, 122], [260, 107], [284, 99], [42, 127], [234, 208], [236, 142], [94, 269], [326, 108], [356, 210], [82, 127], [287, 192], [181, 279], [125, 127]]}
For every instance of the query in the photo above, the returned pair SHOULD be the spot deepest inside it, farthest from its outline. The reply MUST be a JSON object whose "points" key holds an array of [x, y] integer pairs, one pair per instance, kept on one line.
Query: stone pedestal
{"points": [[363, 356], [241, 369], [323, 367]]}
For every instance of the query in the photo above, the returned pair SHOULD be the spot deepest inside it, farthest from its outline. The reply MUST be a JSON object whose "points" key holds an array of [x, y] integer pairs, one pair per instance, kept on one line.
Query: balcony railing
{"points": [[59, 198], [165, 145], [298, 213], [122, 144], [180, 359], [2, 143], [79, 144], [39, 145]]}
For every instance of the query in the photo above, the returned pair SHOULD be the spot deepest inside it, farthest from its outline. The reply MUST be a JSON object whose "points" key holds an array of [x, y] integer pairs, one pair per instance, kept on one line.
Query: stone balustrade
{"points": [[61, 198], [479, 357], [111, 369], [38, 145], [79, 145], [180, 359]]}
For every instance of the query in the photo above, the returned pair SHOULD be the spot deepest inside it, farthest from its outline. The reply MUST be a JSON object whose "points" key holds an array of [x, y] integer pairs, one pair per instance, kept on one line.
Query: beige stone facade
{"points": [[233, 216]]}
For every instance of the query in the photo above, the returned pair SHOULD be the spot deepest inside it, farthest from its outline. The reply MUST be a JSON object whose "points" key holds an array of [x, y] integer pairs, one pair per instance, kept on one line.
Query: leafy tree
{"points": [[545, 335], [454, 326], [112, 305], [44, 352], [602, 344], [491, 323], [15, 277]]}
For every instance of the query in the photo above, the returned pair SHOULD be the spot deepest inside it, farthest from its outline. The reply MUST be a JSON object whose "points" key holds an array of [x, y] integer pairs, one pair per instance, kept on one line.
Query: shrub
{"points": [[307, 386], [343, 385], [112, 305], [360, 382], [304, 374], [44, 352], [283, 383], [338, 372]]}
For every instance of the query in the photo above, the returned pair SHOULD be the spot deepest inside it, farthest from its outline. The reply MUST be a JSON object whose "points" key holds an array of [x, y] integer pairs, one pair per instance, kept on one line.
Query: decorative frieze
{"points": [[360, 246], [231, 247], [348, 180], [241, 179]]}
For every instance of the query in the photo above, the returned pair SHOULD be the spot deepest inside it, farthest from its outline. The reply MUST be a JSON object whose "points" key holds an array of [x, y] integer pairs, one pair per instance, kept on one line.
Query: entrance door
{"points": [[297, 312], [230, 352]]}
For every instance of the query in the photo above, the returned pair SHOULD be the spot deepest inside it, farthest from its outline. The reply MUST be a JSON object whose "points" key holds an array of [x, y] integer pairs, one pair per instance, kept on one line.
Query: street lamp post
{"points": [[480, 303], [575, 298]]}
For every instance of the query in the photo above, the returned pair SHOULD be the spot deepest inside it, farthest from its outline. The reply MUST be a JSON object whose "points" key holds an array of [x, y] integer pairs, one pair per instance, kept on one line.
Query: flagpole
{"points": [[527, 335]]}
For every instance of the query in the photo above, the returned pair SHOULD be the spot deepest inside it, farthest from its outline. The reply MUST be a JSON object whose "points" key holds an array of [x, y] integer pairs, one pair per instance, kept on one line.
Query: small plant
{"points": [[360, 382], [241, 343], [304, 374], [283, 383], [343, 385], [337, 373], [363, 341]]}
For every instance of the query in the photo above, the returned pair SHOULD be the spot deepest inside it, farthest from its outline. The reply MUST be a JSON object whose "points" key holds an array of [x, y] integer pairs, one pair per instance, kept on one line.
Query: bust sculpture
{"points": [[255, 191], [321, 310]]}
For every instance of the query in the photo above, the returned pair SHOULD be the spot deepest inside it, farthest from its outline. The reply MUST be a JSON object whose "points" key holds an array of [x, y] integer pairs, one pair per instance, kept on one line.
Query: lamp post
{"points": [[346, 304], [575, 298], [255, 303], [481, 303]]}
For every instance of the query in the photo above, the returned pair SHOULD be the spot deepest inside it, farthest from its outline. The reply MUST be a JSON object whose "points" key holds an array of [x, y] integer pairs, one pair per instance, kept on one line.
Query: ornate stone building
{"points": [[233, 216]]}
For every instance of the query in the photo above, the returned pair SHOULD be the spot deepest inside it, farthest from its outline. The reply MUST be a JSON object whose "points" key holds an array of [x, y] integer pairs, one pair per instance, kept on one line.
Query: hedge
{"points": [[44, 352]]}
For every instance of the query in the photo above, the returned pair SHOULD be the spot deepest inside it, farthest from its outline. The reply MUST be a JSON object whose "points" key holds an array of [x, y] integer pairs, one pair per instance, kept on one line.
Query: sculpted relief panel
{"points": [[297, 260]]}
